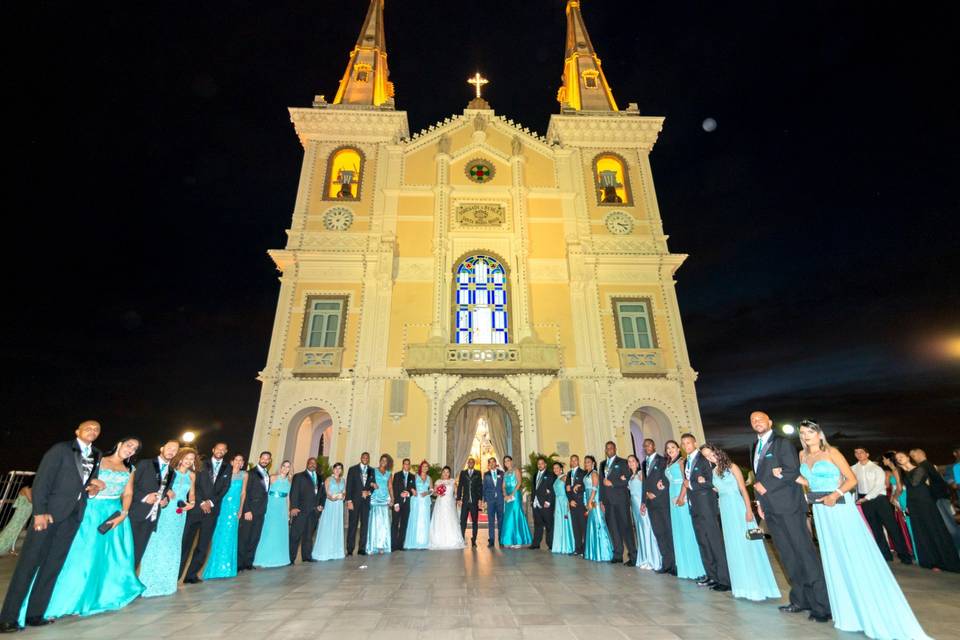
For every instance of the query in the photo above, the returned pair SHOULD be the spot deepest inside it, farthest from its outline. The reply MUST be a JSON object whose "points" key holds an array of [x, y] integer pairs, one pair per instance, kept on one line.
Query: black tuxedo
{"points": [[785, 511], [207, 486], [146, 480], [254, 503], [58, 491], [470, 492], [616, 504], [401, 509], [308, 496], [543, 514], [578, 511], [705, 512], [654, 476], [356, 485]]}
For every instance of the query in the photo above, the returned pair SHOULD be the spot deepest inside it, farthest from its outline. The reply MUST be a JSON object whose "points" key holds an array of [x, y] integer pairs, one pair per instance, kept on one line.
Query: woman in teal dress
{"points": [[597, 545], [864, 595], [98, 574], [648, 553], [418, 523], [751, 576], [23, 507], [273, 550], [514, 532], [898, 495], [378, 531], [222, 560], [160, 566], [685, 548], [329, 544], [563, 541]]}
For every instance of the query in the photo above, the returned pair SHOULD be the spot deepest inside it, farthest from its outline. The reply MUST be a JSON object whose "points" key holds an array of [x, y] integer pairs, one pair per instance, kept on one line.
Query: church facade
{"points": [[474, 266]]}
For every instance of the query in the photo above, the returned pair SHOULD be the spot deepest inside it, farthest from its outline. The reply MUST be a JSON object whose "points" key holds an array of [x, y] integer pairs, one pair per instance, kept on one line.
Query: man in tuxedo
{"points": [[65, 478], [615, 497], [656, 502], [543, 504], [152, 479], [876, 507], [578, 510], [705, 513], [493, 499], [253, 510], [211, 485], [359, 479], [783, 506], [307, 495], [469, 497], [404, 486]]}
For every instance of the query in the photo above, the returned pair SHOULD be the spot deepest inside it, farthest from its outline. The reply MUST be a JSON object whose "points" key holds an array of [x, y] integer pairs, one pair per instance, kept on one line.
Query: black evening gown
{"points": [[934, 546]]}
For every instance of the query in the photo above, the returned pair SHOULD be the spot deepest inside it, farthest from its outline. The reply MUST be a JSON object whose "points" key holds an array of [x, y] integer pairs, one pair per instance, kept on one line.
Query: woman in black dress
{"points": [[934, 546]]}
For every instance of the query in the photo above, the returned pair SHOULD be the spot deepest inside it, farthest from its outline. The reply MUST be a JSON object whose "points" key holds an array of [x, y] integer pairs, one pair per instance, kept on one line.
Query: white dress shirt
{"points": [[871, 480]]}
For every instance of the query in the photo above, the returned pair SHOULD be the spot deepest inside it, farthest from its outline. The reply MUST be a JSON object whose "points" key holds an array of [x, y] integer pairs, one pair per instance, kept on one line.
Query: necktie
{"points": [[86, 451], [313, 476], [609, 465], [216, 468]]}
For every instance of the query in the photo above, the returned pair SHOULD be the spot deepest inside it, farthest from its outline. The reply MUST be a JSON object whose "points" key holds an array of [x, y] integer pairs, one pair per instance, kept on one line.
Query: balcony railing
{"points": [[318, 361], [480, 359], [641, 362]]}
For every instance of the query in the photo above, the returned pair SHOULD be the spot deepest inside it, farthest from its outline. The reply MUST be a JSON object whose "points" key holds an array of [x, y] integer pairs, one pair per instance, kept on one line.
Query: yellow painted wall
{"points": [[412, 306], [549, 308], [413, 427], [540, 170], [547, 241], [554, 429]]}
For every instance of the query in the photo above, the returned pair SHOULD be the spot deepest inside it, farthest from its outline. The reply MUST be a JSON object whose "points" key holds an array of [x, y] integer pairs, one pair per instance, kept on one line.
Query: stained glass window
{"points": [[480, 304]]}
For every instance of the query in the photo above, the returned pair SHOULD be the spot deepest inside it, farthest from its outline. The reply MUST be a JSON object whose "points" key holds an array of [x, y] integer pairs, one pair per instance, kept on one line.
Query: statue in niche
{"points": [[479, 123], [516, 146], [444, 144]]}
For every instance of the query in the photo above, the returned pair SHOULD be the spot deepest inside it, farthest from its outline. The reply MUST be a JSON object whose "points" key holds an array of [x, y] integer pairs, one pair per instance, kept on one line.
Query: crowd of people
{"points": [[106, 530]]}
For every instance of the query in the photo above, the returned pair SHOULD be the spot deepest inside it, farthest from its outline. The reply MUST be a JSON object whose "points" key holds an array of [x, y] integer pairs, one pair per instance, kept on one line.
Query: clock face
{"points": [[619, 223], [338, 219]]}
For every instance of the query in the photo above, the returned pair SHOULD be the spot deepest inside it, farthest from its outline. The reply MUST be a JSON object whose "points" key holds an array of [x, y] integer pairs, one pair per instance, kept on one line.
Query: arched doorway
{"points": [[649, 422], [481, 423], [311, 434]]}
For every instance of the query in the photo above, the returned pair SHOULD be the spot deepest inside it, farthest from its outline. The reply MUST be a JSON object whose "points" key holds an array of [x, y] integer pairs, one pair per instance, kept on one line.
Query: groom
{"points": [[493, 498], [469, 497]]}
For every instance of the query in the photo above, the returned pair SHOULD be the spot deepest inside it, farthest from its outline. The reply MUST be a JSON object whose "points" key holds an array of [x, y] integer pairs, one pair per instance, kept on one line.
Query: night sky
{"points": [[154, 164]]}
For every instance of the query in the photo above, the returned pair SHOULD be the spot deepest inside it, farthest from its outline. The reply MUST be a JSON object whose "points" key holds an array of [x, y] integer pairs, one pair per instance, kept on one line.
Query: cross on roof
{"points": [[478, 81]]}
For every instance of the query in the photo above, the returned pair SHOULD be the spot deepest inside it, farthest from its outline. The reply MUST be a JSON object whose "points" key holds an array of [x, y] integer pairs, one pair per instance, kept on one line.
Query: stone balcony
{"points": [[318, 361], [641, 362], [482, 359]]}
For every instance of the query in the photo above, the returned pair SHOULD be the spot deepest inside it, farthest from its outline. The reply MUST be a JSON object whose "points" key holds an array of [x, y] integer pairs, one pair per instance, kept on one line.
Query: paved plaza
{"points": [[481, 593]]}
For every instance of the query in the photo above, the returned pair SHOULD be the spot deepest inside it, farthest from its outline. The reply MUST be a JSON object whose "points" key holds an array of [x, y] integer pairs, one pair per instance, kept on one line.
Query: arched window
{"points": [[480, 301], [344, 173], [611, 180]]}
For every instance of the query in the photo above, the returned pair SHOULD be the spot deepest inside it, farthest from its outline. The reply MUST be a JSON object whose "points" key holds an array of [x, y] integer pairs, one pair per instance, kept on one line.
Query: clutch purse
{"points": [[105, 525], [814, 497], [755, 534]]}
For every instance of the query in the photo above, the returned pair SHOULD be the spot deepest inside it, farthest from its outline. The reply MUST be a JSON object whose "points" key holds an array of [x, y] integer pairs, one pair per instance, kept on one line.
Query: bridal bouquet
{"points": [[441, 490]]}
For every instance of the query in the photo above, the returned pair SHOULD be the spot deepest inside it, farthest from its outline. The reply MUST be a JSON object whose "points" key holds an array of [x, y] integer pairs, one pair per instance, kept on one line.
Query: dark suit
{"points": [[658, 507], [308, 496], [616, 504], [255, 503], [58, 491], [207, 486], [578, 512], [543, 514], [705, 512], [785, 511], [470, 492], [401, 510], [361, 506], [146, 480], [493, 497]]}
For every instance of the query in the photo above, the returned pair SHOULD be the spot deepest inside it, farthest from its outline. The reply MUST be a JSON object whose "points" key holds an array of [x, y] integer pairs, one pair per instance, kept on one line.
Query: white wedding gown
{"points": [[444, 524]]}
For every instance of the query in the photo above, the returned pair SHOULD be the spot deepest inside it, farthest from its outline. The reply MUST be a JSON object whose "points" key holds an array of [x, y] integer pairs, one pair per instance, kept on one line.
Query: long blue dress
{"points": [[864, 595], [273, 550], [160, 566], [515, 531], [222, 561], [329, 543], [562, 526], [648, 553], [98, 574], [685, 548], [418, 523], [378, 533], [750, 574], [597, 545]]}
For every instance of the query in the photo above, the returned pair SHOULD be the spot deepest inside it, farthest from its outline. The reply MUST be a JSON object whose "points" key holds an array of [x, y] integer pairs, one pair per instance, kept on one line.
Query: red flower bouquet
{"points": [[441, 490]]}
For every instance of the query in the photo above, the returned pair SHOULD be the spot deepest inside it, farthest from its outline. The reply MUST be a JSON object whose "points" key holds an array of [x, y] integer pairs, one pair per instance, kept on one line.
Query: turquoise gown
{"points": [[222, 561], [864, 595], [98, 574], [648, 553], [751, 576], [160, 566], [902, 501], [378, 531], [418, 523], [685, 548], [562, 526], [515, 532], [329, 544], [597, 545], [273, 550]]}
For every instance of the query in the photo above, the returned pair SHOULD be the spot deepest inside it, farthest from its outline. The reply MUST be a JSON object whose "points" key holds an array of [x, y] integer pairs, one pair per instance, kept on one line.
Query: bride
{"points": [[445, 525]]}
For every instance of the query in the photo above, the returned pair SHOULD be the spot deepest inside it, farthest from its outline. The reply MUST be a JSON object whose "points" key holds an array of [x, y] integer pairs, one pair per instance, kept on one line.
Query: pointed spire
{"points": [[366, 80], [584, 87]]}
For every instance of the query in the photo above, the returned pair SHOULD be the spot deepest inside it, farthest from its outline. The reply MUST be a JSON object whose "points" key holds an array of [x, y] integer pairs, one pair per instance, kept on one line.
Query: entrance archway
{"points": [[649, 422], [502, 427], [311, 434]]}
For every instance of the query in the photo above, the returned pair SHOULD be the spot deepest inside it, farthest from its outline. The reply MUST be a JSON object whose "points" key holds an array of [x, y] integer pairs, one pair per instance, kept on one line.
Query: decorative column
{"points": [[439, 331]]}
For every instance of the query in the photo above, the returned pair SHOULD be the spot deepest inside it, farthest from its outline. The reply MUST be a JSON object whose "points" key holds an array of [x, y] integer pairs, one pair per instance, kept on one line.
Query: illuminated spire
{"points": [[365, 81], [584, 86]]}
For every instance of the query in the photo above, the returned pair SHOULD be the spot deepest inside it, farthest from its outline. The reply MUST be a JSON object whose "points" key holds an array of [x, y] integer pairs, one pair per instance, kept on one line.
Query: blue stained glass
{"points": [[481, 301]]}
